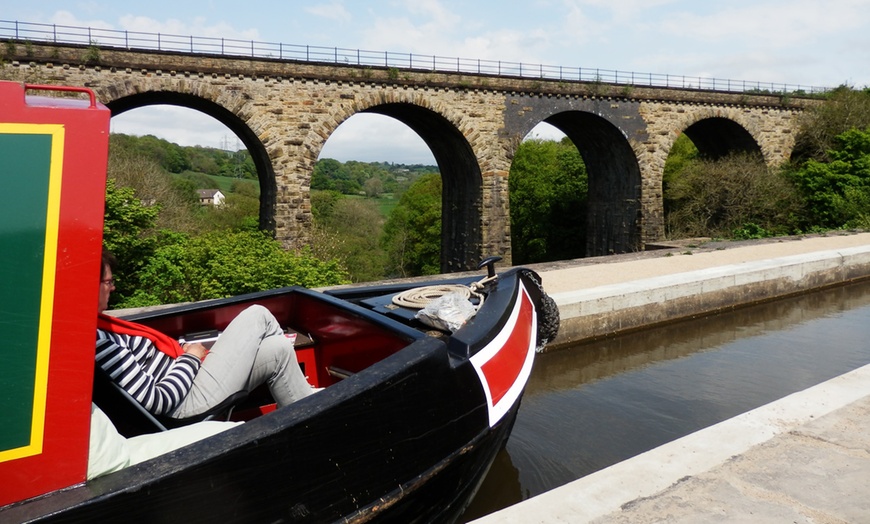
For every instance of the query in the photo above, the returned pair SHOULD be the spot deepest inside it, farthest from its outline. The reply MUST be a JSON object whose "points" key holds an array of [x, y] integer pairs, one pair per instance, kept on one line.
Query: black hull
{"points": [[408, 440], [262, 481]]}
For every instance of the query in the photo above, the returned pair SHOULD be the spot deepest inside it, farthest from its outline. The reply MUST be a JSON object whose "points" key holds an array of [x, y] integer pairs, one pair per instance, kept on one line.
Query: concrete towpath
{"points": [[601, 271], [803, 458], [603, 296]]}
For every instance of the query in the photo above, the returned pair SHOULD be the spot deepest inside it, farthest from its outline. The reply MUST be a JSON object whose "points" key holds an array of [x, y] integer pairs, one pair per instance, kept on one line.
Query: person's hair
{"points": [[108, 261]]}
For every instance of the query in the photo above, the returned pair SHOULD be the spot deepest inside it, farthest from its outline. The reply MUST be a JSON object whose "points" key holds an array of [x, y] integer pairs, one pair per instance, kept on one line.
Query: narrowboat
{"points": [[410, 417]]}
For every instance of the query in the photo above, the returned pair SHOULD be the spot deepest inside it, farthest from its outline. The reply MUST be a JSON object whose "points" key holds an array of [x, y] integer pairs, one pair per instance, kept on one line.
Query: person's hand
{"points": [[196, 349]]}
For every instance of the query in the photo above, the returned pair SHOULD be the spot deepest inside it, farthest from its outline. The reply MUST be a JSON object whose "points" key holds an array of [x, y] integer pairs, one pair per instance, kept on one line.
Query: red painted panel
{"points": [[505, 363], [505, 366], [62, 460]]}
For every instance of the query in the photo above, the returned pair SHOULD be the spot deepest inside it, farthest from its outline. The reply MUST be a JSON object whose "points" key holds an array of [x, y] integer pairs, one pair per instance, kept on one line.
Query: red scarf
{"points": [[163, 342]]}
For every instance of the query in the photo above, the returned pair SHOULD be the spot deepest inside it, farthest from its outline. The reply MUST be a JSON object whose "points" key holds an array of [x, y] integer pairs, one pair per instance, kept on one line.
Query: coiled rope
{"points": [[419, 297]]}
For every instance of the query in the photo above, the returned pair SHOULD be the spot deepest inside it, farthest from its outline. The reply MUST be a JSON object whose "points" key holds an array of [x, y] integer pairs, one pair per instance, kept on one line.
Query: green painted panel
{"points": [[24, 174]]}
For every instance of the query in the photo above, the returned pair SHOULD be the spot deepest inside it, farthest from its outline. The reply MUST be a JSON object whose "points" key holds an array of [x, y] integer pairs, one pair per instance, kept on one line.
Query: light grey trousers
{"points": [[251, 351]]}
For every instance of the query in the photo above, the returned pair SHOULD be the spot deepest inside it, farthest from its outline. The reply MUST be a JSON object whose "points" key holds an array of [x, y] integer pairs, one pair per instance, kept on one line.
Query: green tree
{"points": [[238, 164], [245, 188], [152, 185], [249, 170], [203, 160], [330, 174], [128, 233], [169, 156], [173, 158], [323, 204], [412, 233], [352, 177], [837, 193], [351, 233], [195, 180], [221, 264], [172, 249], [176, 159], [373, 187], [237, 212], [548, 194], [845, 109], [682, 153]]}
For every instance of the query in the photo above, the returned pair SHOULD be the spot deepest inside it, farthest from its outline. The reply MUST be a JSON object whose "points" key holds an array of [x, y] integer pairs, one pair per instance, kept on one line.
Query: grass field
{"points": [[386, 202]]}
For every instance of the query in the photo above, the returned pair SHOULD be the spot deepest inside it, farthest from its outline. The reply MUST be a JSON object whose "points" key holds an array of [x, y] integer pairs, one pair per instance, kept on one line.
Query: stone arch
{"points": [[462, 181], [717, 132], [614, 205], [120, 100]]}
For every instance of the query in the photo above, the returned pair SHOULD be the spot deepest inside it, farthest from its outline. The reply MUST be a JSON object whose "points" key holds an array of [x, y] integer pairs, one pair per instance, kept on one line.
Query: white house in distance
{"points": [[210, 197]]}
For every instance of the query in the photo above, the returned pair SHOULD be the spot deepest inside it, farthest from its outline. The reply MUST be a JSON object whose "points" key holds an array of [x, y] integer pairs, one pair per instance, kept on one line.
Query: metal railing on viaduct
{"points": [[229, 47], [284, 102]]}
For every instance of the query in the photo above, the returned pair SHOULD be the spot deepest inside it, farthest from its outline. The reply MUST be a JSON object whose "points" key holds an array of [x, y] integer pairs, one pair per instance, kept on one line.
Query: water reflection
{"points": [[596, 404]]}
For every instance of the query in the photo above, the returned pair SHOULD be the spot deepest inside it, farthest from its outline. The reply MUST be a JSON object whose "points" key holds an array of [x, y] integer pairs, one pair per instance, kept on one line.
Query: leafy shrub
{"points": [[845, 109], [128, 233], [237, 212], [682, 154], [837, 193], [223, 264], [351, 233], [323, 203], [750, 231], [717, 198]]}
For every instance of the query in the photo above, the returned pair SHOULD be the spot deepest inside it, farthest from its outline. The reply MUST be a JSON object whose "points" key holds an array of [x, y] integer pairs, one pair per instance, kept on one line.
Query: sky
{"points": [[796, 42]]}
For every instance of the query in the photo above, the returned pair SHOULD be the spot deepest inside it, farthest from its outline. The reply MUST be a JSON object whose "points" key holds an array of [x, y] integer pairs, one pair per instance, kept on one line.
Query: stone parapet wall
{"points": [[116, 59]]}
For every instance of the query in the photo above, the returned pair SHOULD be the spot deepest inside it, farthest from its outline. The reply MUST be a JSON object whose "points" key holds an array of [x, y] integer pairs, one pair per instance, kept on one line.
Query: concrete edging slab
{"points": [[650, 473]]}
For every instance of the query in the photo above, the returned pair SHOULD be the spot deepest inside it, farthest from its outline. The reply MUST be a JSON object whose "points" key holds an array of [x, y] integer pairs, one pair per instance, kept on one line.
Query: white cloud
{"points": [[196, 27], [185, 127], [68, 19], [334, 11], [429, 28], [171, 26], [619, 11], [439, 16], [369, 137], [777, 24], [507, 45]]}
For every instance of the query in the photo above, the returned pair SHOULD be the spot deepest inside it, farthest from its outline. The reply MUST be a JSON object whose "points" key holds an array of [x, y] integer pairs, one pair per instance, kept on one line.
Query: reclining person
{"points": [[179, 381], [109, 451]]}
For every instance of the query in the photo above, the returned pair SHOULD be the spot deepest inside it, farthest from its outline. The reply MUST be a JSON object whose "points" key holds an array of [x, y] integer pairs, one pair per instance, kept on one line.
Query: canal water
{"points": [[593, 405]]}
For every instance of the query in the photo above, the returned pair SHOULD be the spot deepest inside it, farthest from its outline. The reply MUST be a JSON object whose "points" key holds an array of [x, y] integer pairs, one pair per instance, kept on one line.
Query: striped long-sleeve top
{"points": [[155, 379]]}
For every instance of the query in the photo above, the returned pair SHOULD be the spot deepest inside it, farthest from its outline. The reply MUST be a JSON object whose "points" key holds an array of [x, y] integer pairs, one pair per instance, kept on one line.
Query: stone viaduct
{"points": [[284, 111]]}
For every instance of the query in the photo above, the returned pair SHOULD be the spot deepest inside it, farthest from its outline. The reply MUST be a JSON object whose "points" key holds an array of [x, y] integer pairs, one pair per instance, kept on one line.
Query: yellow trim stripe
{"points": [[49, 272]]}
